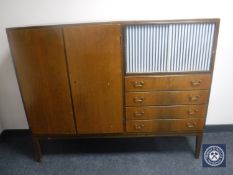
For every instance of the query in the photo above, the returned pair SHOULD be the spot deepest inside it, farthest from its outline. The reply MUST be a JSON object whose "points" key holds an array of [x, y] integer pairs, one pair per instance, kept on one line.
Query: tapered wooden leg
{"points": [[37, 148], [198, 145]]}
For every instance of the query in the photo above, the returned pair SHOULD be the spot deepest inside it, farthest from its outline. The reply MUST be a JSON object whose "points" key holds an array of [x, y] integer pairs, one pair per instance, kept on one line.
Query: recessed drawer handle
{"points": [[191, 125], [138, 99], [196, 82], [137, 84], [194, 98], [139, 126], [138, 114], [192, 111]]}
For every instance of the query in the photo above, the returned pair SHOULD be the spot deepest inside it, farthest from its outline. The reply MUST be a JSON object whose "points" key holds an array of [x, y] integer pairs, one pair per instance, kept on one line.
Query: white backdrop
{"points": [[41, 12]]}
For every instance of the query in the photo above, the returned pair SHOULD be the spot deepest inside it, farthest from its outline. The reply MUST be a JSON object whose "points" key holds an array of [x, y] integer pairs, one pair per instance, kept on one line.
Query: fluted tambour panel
{"points": [[169, 47]]}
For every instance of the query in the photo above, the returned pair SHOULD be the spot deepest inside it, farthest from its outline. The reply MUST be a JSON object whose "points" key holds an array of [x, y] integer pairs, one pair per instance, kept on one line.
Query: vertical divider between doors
{"points": [[122, 42], [69, 80]]}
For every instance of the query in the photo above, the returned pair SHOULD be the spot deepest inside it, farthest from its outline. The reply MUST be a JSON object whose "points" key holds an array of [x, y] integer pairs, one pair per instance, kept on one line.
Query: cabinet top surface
{"points": [[204, 20]]}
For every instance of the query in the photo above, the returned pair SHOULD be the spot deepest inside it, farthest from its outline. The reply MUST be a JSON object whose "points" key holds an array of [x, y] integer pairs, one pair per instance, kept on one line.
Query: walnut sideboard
{"points": [[115, 79]]}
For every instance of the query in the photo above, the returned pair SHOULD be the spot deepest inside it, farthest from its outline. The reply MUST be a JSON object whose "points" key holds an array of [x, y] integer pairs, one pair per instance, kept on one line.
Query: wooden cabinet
{"points": [[119, 79]]}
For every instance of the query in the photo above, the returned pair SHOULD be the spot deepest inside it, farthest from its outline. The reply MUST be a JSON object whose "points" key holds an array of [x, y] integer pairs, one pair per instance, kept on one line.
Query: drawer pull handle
{"points": [[138, 114], [194, 98], [193, 111], [196, 82], [137, 84], [139, 126], [191, 125], [138, 99]]}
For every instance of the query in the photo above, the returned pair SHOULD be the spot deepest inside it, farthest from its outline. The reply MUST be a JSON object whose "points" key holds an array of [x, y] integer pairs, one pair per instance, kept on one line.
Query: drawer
{"points": [[166, 98], [162, 126], [167, 82], [165, 112]]}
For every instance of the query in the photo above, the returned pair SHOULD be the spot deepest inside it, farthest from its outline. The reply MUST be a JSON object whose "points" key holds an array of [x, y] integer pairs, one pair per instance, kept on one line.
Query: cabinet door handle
{"points": [[191, 124], [138, 114], [192, 111], [194, 98], [138, 99], [139, 126], [137, 84], [196, 82]]}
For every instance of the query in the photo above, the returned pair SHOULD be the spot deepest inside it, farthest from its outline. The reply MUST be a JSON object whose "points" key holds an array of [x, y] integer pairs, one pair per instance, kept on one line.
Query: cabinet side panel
{"points": [[39, 60], [95, 64]]}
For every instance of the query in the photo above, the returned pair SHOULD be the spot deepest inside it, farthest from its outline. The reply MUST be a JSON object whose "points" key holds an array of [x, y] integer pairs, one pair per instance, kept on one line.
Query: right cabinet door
{"points": [[94, 57]]}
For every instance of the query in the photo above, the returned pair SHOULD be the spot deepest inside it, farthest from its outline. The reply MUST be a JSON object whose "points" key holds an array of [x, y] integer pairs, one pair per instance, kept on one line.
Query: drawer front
{"points": [[167, 82], [162, 126], [166, 98], [165, 112]]}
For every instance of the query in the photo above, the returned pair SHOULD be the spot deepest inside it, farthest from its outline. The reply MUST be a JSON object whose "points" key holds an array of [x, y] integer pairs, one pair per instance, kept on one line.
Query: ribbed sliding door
{"points": [[180, 47]]}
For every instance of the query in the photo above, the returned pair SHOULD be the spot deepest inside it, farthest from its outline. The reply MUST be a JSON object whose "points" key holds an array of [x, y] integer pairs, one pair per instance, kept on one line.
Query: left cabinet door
{"points": [[40, 63]]}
